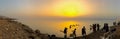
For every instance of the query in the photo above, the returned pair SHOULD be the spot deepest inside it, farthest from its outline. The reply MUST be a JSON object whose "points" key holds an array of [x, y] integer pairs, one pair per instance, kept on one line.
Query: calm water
{"points": [[54, 27]]}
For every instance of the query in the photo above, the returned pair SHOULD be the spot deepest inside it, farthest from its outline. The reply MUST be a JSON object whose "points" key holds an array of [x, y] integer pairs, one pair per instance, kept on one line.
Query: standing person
{"points": [[74, 33], [114, 23], [91, 27], [94, 27], [118, 23], [106, 27], [49, 36], [98, 27], [84, 32], [65, 32]]}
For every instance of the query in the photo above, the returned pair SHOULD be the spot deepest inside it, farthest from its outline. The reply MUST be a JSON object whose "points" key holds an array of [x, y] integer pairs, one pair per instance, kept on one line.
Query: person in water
{"points": [[84, 31], [65, 32], [70, 26], [74, 33]]}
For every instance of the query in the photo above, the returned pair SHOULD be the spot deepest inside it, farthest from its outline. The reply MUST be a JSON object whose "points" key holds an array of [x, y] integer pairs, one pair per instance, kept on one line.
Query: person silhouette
{"points": [[91, 27], [74, 33], [53, 36], [98, 27], [70, 26], [49, 36], [94, 27], [114, 23], [118, 23], [83, 31], [65, 32], [106, 27], [74, 25]]}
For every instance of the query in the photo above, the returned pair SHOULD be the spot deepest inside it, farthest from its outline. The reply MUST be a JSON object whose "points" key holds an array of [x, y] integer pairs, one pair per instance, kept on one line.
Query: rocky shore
{"points": [[11, 29]]}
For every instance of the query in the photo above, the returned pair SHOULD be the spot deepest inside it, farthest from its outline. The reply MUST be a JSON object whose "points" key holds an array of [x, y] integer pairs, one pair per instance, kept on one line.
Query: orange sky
{"points": [[60, 8], [65, 8]]}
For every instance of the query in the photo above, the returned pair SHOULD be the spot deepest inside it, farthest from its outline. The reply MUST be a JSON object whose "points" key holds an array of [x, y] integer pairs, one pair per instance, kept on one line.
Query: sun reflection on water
{"points": [[67, 24]]}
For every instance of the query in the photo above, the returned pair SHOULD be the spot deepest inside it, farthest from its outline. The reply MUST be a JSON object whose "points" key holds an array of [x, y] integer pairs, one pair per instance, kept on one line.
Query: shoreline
{"points": [[13, 26]]}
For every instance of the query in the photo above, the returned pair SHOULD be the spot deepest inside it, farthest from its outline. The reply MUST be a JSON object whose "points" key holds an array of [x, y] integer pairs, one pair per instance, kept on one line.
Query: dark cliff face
{"points": [[10, 29]]}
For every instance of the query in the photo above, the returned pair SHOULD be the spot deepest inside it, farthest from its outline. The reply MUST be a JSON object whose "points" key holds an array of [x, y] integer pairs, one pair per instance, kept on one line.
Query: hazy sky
{"points": [[34, 8]]}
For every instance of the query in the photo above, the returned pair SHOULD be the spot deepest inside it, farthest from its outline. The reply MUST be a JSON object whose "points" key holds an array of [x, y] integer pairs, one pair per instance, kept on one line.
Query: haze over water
{"points": [[51, 16], [54, 26]]}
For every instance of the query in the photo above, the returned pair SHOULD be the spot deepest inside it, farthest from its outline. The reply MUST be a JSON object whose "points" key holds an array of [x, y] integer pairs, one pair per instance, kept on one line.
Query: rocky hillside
{"points": [[11, 29]]}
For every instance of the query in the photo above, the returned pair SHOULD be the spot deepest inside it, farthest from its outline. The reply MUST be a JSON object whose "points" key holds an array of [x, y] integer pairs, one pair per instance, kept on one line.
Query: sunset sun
{"points": [[71, 9]]}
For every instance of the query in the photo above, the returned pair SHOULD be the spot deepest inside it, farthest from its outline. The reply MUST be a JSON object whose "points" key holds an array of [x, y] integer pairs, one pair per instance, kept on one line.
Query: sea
{"points": [[55, 27]]}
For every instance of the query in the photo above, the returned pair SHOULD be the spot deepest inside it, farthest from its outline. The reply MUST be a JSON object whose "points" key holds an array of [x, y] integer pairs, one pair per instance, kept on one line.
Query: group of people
{"points": [[74, 25], [52, 36], [73, 35], [116, 23], [106, 27], [108, 32], [93, 27]]}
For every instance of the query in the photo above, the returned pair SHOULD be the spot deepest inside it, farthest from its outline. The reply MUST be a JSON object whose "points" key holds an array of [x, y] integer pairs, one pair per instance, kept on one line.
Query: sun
{"points": [[71, 9]]}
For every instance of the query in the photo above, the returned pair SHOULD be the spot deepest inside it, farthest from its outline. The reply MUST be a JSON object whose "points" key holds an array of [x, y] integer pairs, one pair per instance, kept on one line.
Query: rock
{"points": [[10, 29], [37, 32]]}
